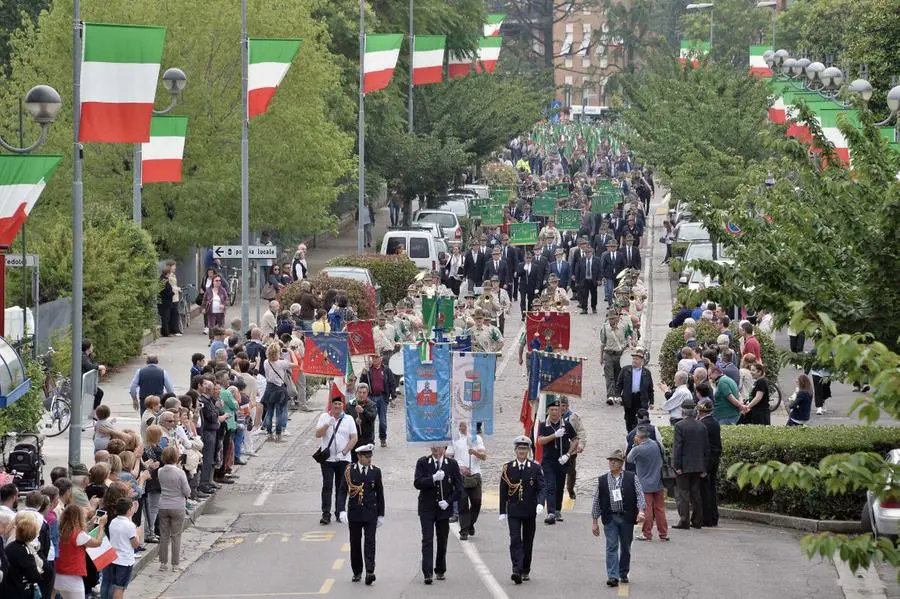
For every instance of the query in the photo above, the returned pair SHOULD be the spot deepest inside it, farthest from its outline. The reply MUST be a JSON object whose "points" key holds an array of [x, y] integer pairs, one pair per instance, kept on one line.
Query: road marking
{"points": [[490, 500], [481, 568], [326, 586], [515, 350], [624, 590], [285, 537], [345, 547], [338, 564], [317, 536], [264, 494], [323, 590]]}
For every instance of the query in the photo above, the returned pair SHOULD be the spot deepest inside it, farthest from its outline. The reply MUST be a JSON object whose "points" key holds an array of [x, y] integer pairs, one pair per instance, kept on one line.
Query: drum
{"points": [[396, 366]]}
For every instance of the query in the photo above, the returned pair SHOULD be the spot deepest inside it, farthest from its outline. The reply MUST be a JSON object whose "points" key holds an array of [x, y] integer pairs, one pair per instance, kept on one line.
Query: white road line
{"points": [[481, 568], [514, 350], [268, 486]]}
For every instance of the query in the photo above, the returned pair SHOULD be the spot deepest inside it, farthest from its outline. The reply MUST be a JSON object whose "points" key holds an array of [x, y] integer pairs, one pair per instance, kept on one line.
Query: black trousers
{"points": [[169, 322], [469, 507], [554, 484], [797, 342], [589, 290], [432, 526], [332, 472], [521, 542], [571, 475], [358, 552], [630, 419], [687, 498], [98, 397], [708, 489], [526, 299]]}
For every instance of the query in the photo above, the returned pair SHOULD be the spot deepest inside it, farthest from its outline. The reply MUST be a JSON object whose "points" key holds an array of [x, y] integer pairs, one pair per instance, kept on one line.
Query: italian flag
{"points": [[758, 66], [270, 60], [492, 24], [692, 50], [22, 179], [428, 59], [458, 66], [119, 72], [488, 53], [382, 51], [161, 156], [777, 111], [103, 555]]}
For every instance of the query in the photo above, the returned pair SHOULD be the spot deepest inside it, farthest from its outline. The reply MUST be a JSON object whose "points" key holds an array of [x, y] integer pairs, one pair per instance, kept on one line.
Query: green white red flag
{"points": [[758, 66], [381, 55], [161, 156], [428, 59], [458, 65], [269, 60], [488, 54], [119, 73], [22, 179], [492, 24], [692, 50]]}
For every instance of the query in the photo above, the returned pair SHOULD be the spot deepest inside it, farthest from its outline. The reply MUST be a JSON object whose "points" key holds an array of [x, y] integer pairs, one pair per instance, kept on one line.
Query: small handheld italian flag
{"points": [[161, 156], [428, 59], [22, 179], [103, 555], [381, 55], [270, 60], [492, 24], [488, 54]]}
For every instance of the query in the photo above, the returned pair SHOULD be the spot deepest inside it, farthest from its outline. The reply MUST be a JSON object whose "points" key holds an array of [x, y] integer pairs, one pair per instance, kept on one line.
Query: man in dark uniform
{"points": [[439, 483], [364, 491], [521, 501], [560, 442]]}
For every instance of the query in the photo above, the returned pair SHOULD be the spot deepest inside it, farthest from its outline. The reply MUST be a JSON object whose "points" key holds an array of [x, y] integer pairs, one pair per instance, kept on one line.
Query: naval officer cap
{"points": [[522, 441], [366, 449]]}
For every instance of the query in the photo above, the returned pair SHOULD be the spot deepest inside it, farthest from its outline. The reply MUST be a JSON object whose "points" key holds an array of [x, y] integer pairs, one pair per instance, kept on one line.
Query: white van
{"points": [[421, 247]]}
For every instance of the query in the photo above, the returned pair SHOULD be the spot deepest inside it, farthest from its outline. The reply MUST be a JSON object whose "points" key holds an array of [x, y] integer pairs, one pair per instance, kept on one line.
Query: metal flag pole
{"points": [[412, 50], [360, 234], [245, 171], [137, 175], [77, 245]]}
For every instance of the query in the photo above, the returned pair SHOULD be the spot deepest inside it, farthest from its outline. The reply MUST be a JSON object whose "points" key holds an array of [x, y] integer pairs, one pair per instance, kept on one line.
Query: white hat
{"points": [[522, 440], [365, 448]]}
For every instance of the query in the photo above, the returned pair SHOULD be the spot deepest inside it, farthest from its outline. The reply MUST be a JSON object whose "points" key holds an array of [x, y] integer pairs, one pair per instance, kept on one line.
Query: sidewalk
{"points": [[175, 355]]}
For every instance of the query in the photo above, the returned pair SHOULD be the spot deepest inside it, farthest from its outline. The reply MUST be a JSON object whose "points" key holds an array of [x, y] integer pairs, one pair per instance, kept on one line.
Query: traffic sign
{"points": [[227, 252], [15, 260]]}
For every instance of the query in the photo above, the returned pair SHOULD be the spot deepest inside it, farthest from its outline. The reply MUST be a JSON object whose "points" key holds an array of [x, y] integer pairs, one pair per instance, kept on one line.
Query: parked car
{"points": [[683, 212], [421, 246], [699, 280], [882, 516], [456, 203], [433, 228], [483, 191], [698, 250], [355, 273], [448, 221], [688, 232]]}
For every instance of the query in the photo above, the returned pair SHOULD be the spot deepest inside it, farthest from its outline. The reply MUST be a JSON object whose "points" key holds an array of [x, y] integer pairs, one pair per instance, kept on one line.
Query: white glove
{"points": [[560, 432], [539, 510], [438, 476], [380, 521], [502, 517], [563, 460], [343, 517], [443, 504]]}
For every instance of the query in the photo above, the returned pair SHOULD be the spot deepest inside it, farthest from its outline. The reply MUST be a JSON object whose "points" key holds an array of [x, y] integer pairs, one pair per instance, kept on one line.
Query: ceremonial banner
{"points": [[499, 195], [604, 201], [437, 312], [492, 215], [473, 390], [360, 337], [568, 219], [555, 373], [544, 205], [326, 354], [551, 327], [461, 343], [427, 393], [523, 233]]}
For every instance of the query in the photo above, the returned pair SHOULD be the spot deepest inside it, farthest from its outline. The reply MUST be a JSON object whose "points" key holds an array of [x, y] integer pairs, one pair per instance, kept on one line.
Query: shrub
{"points": [[707, 332], [393, 273], [361, 297], [498, 174], [804, 445]]}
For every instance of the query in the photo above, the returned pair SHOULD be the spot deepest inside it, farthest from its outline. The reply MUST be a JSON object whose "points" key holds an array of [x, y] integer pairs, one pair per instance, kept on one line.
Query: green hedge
{"points": [[393, 273], [361, 297], [705, 332], [24, 414], [806, 445]]}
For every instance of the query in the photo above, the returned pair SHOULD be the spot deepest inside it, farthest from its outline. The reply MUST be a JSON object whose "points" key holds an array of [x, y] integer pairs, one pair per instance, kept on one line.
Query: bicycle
{"points": [[184, 306], [774, 396], [56, 389], [234, 284]]}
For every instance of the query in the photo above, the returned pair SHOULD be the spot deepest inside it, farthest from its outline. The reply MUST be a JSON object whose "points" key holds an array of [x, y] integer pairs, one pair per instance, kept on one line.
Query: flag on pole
{"points": [[493, 22], [458, 65], [119, 72], [382, 51], [22, 179], [326, 354], [361, 337], [758, 66], [526, 415], [161, 156], [269, 60], [437, 312], [426, 388], [488, 54], [428, 59], [472, 389]]}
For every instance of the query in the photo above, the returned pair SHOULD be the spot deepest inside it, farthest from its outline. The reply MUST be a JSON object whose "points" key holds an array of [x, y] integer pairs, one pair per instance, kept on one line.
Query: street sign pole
{"points": [[360, 235], [245, 171]]}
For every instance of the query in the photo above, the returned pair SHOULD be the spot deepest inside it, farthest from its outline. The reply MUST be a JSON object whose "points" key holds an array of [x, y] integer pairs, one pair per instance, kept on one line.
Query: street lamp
{"points": [[863, 89], [702, 6], [174, 80], [43, 103], [774, 6]]}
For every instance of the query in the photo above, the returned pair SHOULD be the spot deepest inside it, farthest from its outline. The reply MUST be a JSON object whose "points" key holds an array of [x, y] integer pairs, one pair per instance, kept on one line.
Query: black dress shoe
{"points": [[612, 582], [356, 577], [526, 577], [440, 576], [623, 578], [463, 536], [584, 311], [428, 580], [559, 518], [370, 578], [516, 578], [471, 531], [696, 526], [325, 519]]}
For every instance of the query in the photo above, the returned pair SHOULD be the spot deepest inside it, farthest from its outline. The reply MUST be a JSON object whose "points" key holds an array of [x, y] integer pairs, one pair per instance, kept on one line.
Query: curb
{"points": [[784, 521]]}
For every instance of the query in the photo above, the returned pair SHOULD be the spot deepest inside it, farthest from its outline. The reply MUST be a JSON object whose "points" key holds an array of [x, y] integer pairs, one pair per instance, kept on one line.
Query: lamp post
{"points": [[774, 6], [43, 103], [174, 80], [702, 6], [863, 89]]}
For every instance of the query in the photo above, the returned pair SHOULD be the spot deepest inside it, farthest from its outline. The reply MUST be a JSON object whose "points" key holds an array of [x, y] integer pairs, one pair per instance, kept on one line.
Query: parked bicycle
{"points": [[774, 396], [57, 389], [184, 305]]}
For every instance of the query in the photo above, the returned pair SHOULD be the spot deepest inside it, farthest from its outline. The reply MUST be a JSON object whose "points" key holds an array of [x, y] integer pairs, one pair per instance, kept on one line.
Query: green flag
{"points": [[437, 312]]}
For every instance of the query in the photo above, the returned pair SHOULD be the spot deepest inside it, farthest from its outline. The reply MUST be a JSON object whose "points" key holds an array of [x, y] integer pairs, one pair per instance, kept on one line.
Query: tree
{"points": [[12, 14], [736, 25], [632, 29]]}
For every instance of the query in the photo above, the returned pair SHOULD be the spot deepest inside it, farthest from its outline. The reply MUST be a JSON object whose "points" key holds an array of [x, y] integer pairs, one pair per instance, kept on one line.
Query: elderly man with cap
{"points": [[619, 504], [439, 482], [559, 441], [502, 303], [364, 511], [385, 335], [559, 297], [485, 336], [646, 457], [690, 459], [496, 266], [708, 486], [613, 343], [635, 387], [521, 502]]}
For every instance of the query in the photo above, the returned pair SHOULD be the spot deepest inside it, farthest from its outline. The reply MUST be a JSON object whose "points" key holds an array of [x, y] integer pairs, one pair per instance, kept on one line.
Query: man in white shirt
{"points": [[338, 437], [469, 453], [679, 394]]}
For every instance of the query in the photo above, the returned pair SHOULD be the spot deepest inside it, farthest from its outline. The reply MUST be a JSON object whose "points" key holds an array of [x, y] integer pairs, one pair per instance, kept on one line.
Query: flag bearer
{"points": [[521, 501], [560, 442], [364, 510]]}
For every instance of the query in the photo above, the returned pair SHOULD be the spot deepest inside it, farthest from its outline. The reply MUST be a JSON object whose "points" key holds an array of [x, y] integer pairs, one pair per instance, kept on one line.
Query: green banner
{"points": [[492, 215], [437, 312], [500, 195], [568, 220], [523, 233], [604, 184], [544, 205], [605, 200]]}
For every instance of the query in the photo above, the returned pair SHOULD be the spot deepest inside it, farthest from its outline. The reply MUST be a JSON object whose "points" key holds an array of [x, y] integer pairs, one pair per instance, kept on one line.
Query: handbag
{"points": [[668, 473], [470, 481], [269, 292], [321, 455]]}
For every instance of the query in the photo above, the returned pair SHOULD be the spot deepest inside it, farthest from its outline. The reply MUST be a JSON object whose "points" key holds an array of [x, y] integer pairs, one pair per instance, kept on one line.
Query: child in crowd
{"points": [[151, 410], [124, 536]]}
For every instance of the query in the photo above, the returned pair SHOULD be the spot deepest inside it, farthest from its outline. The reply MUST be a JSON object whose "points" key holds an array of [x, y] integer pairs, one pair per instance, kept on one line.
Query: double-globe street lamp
{"points": [[703, 6]]}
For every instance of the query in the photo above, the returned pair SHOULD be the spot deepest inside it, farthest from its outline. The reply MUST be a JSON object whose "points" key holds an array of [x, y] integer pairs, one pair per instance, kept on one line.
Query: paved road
{"points": [[262, 537]]}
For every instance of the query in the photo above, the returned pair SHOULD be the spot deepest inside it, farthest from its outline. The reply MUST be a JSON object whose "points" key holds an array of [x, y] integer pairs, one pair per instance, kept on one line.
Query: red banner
{"points": [[360, 337], [554, 325], [326, 354]]}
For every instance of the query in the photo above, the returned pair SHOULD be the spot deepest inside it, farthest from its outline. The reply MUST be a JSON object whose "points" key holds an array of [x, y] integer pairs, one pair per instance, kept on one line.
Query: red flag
{"points": [[556, 325], [360, 337], [525, 415]]}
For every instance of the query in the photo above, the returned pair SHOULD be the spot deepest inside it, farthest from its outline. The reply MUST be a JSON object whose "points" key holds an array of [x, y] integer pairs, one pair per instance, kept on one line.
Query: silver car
{"points": [[355, 273], [882, 516]]}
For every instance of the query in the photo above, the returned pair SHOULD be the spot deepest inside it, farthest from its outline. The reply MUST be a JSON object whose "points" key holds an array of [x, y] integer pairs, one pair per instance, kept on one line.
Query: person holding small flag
{"points": [[559, 442], [362, 487], [521, 502]]}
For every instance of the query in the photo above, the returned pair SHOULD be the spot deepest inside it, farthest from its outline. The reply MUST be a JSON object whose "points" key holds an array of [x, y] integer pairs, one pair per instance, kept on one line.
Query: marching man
{"points": [[521, 502], [364, 510], [439, 483]]}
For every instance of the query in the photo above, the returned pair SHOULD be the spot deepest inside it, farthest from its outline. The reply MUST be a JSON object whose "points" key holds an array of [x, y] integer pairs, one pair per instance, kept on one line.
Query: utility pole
{"points": [[245, 171], [360, 231]]}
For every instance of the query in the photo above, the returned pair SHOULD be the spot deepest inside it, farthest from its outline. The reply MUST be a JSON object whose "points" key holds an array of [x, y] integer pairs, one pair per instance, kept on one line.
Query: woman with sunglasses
{"points": [[215, 302]]}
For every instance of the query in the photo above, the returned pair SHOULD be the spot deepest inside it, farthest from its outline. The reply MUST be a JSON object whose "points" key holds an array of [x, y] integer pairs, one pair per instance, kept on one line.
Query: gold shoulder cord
{"points": [[512, 488], [357, 491]]}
